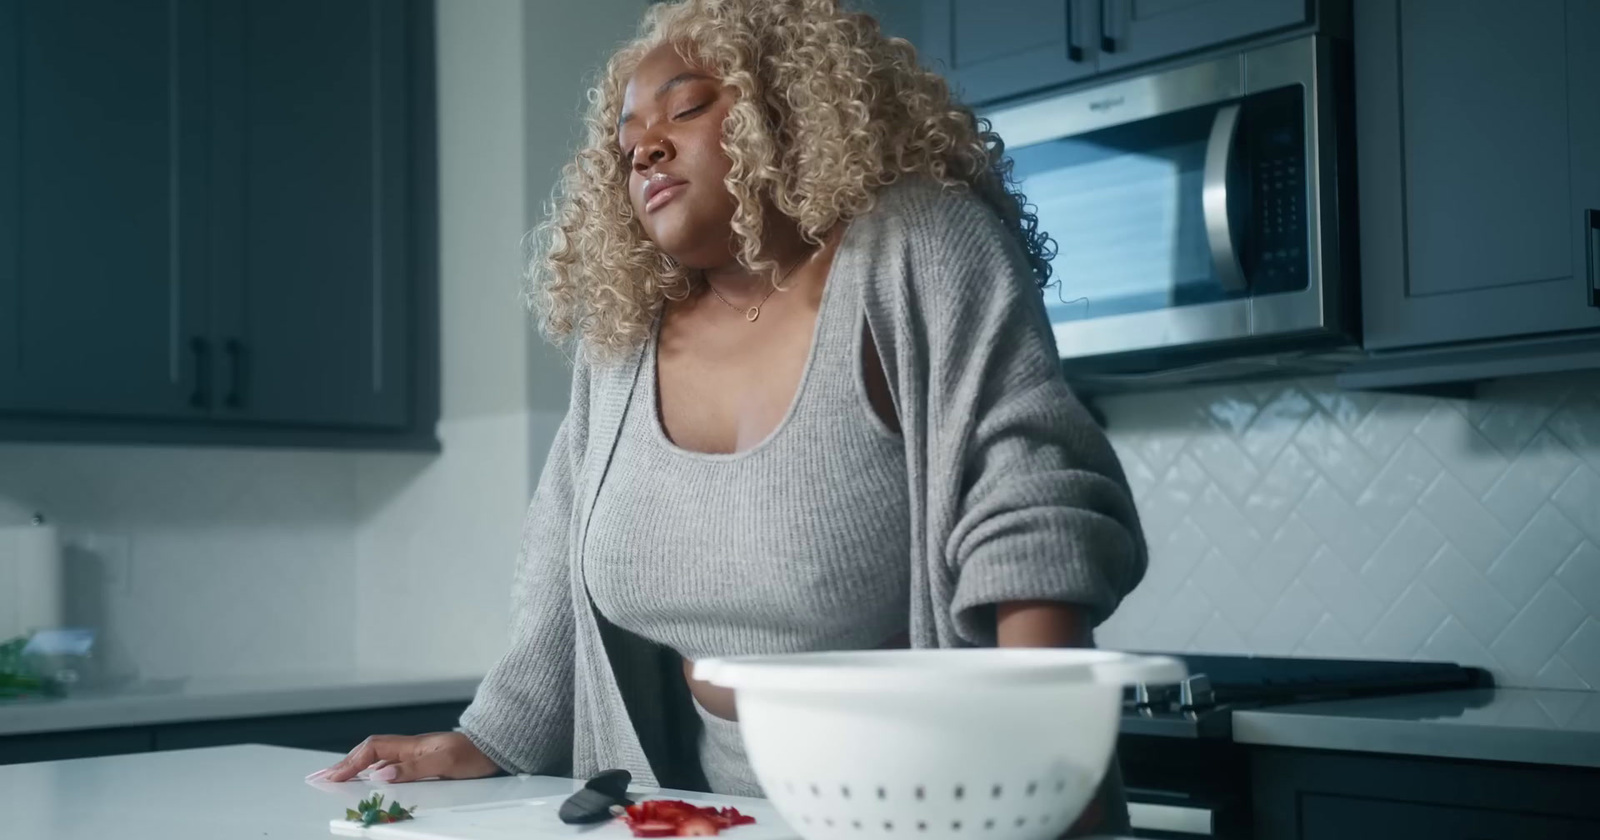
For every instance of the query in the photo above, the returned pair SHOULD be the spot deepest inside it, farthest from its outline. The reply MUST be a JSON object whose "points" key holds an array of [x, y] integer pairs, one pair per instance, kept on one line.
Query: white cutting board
{"points": [[535, 819]]}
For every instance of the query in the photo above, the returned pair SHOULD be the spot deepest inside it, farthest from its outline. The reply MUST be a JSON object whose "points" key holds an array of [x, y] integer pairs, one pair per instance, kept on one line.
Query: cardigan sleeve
{"points": [[522, 715], [1038, 505]]}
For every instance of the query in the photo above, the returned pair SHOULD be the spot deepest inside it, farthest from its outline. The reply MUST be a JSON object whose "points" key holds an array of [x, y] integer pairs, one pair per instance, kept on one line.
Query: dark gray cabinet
{"points": [[335, 731], [994, 49], [217, 221], [896, 18], [1316, 795], [61, 746], [1343, 817], [328, 731], [1137, 31], [991, 49], [102, 294], [310, 228], [1478, 140]]}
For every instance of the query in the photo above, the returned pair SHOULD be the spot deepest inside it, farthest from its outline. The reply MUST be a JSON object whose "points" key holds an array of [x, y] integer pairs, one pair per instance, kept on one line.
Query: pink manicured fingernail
{"points": [[320, 774], [385, 774]]}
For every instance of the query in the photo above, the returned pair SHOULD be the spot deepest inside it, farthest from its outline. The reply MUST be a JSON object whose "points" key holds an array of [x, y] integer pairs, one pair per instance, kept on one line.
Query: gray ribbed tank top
{"points": [[800, 543]]}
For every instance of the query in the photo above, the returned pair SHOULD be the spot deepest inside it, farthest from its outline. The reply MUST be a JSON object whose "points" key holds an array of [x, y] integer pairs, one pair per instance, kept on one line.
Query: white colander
{"points": [[980, 744]]}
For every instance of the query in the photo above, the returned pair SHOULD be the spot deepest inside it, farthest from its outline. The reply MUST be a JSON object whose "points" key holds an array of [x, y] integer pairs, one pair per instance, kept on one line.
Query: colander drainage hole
{"points": [[828, 822], [883, 794], [922, 793], [888, 826], [961, 792], [1033, 787], [995, 794], [922, 826], [955, 826], [855, 824], [816, 791], [1021, 821], [988, 825], [1061, 785], [844, 791]]}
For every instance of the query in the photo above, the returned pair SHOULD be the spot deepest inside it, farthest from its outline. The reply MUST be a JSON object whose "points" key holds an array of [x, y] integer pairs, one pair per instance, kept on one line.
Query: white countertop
{"points": [[216, 698], [1535, 726], [197, 795]]}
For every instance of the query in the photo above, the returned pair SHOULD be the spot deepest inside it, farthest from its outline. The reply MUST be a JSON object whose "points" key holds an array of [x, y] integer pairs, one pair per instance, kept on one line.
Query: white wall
{"points": [[1293, 518], [567, 44], [219, 562], [436, 544], [439, 537]]}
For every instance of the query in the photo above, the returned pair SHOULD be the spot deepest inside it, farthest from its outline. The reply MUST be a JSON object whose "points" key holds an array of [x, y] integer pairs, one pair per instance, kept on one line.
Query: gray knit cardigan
{"points": [[1013, 489]]}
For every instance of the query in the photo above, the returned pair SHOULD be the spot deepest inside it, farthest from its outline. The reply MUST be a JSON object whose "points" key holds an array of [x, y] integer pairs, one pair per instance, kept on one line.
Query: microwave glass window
{"points": [[1124, 205]]}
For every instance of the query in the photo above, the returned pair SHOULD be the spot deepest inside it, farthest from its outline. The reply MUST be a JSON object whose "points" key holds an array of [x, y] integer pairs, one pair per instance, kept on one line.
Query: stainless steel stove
{"points": [[1202, 706], [1186, 777]]}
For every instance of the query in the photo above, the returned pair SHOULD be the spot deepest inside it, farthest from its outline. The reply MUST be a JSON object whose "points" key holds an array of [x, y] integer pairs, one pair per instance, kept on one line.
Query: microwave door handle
{"points": [[1214, 200]]}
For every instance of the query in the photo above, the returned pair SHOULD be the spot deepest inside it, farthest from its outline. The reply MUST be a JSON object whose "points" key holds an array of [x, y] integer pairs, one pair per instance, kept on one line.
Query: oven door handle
{"points": [[1214, 200]]}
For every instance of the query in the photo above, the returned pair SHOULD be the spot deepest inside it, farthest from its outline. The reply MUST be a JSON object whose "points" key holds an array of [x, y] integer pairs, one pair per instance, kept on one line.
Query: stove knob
{"points": [[1195, 692], [1141, 696]]}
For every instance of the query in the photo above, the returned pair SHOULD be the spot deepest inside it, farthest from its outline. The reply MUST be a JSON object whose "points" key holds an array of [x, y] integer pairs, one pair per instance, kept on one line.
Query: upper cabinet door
{"points": [[311, 120], [1137, 31], [1583, 50], [993, 49], [101, 284], [1477, 142], [10, 204]]}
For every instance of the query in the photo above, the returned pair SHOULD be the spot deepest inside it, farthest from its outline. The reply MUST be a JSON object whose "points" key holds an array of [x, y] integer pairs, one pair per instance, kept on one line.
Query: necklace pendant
{"points": [[752, 314]]}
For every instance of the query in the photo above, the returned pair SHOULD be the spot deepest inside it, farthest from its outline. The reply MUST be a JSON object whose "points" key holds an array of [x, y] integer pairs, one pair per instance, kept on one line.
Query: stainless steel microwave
{"points": [[1196, 210]]}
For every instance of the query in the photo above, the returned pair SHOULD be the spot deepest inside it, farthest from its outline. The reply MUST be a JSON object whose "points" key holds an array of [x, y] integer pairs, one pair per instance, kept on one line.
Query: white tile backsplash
{"points": [[1582, 652], [201, 561], [1470, 596], [438, 547], [1581, 575], [1579, 498], [1295, 518]]}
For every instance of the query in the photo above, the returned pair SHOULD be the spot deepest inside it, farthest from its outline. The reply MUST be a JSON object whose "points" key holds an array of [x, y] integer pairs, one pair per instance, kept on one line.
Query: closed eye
{"points": [[691, 111]]}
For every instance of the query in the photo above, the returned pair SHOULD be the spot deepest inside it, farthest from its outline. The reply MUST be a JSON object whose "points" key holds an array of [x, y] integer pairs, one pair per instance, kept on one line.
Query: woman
{"points": [[816, 403]]}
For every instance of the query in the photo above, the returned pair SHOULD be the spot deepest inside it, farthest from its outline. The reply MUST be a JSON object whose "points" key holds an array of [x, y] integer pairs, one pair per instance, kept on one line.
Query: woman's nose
{"points": [[650, 153]]}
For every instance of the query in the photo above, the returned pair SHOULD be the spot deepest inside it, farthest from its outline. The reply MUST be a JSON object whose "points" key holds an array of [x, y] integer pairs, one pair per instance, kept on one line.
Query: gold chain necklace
{"points": [[754, 312]]}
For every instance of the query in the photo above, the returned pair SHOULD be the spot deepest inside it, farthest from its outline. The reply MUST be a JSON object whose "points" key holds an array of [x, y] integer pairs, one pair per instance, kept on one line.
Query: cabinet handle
{"points": [[1108, 41], [236, 373], [1074, 52], [201, 350], [1593, 218]]}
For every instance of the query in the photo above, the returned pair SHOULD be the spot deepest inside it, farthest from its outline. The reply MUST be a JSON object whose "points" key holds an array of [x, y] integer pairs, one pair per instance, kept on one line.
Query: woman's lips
{"points": [[656, 197]]}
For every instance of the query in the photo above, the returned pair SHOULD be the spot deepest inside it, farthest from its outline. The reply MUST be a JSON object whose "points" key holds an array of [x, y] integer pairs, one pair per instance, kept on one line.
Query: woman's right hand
{"points": [[408, 758]]}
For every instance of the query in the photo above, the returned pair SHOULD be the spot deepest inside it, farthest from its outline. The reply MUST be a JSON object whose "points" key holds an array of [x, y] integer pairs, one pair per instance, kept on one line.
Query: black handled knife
{"points": [[598, 799]]}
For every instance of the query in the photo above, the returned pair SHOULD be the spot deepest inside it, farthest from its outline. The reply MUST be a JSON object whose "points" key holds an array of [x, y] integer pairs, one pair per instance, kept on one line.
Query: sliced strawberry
{"points": [[675, 818], [698, 826], [664, 809]]}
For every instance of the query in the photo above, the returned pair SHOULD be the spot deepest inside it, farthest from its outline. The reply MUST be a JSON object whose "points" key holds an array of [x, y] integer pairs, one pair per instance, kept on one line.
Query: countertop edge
{"points": [[1266, 727], [75, 714]]}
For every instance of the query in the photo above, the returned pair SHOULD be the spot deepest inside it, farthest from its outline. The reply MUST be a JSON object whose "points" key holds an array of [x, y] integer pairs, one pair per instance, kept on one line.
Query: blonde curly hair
{"points": [[828, 110]]}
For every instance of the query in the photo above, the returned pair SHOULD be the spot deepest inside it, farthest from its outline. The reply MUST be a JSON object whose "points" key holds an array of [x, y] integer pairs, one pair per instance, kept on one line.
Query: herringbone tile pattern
{"points": [[1295, 518]]}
